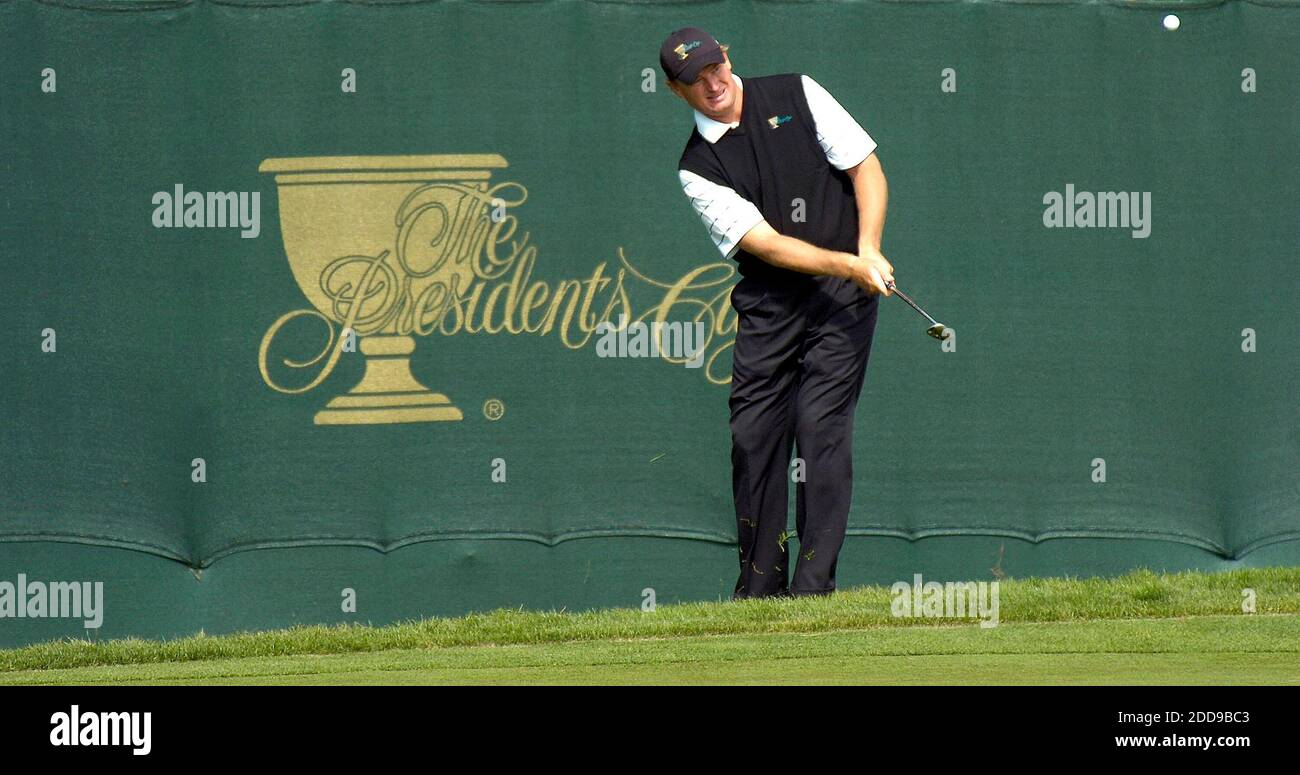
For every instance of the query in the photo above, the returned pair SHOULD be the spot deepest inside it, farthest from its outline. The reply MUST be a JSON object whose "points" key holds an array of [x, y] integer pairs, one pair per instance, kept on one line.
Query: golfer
{"points": [[789, 186]]}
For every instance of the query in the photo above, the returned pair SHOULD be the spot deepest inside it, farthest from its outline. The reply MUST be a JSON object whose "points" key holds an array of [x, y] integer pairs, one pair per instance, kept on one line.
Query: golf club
{"points": [[936, 328]]}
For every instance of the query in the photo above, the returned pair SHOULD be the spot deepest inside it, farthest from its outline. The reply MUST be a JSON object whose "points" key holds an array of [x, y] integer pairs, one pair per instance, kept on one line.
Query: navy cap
{"points": [[687, 51]]}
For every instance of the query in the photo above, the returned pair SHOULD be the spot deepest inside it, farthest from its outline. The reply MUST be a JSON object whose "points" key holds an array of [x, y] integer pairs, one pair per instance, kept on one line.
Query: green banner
{"points": [[344, 274]]}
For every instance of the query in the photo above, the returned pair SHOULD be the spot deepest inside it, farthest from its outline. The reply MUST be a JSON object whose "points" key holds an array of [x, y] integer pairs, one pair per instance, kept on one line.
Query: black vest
{"points": [[773, 158]]}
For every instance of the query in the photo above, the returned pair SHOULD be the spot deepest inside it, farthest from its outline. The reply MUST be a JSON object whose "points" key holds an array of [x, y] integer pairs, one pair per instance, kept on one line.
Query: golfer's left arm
{"points": [[872, 194], [848, 147]]}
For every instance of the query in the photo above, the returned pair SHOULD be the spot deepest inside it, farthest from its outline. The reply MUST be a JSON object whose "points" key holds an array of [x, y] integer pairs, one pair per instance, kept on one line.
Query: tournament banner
{"points": [[292, 276]]}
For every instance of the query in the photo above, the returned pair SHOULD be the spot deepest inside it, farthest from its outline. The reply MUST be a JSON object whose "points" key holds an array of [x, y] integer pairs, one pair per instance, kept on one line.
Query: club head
{"points": [[938, 331]]}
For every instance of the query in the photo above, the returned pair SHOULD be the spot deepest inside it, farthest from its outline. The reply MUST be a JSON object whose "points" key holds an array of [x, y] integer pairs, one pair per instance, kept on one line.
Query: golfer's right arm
{"points": [[735, 224], [795, 254]]}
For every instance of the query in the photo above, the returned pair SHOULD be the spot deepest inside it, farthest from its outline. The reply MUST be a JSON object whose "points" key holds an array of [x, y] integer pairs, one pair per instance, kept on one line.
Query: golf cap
{"points": [[687, 51]]}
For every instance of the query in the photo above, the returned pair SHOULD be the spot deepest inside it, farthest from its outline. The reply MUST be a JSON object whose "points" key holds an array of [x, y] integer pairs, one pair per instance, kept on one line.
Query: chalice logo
{"points": [[379, 245], [392, 249]]}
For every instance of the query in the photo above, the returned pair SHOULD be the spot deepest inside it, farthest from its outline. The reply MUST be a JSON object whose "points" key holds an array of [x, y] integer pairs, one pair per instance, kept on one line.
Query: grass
{"points": [[1139, 628], [1201, 650]]}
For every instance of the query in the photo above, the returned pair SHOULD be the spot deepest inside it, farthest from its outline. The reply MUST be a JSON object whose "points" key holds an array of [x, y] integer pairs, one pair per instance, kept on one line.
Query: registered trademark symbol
{"points": [[493, 409]]}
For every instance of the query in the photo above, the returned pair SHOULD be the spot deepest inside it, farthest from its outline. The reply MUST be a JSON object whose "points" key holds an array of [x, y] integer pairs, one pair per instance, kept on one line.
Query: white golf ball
{"points": [[1171, 22]]}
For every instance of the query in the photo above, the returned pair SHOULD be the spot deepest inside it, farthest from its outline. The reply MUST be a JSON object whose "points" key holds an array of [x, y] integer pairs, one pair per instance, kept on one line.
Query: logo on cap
{"points": [[684, 50]]}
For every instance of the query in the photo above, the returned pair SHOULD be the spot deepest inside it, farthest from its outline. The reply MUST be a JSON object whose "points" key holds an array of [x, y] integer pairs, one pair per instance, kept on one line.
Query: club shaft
{"points": [[912, 304]]}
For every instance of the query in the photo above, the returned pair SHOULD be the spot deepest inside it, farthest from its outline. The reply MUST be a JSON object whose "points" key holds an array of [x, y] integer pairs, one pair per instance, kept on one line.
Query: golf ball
{"points": [[1171, 22]]}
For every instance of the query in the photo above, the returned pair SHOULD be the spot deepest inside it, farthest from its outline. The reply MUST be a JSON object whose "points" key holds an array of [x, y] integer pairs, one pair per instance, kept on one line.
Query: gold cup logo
{"points": [[372, 240]]}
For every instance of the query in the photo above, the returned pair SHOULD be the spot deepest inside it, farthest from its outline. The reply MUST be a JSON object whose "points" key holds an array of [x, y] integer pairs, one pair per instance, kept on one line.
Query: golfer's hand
{"points": [[871, 270]]}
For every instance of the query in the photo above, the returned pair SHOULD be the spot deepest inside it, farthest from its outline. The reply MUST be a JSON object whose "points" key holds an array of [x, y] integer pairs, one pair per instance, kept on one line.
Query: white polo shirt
{"points": [[726, 214]]}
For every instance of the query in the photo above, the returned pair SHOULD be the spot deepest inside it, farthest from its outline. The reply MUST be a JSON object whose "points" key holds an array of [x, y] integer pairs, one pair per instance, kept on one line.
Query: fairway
{"points": [[1195, 650]]}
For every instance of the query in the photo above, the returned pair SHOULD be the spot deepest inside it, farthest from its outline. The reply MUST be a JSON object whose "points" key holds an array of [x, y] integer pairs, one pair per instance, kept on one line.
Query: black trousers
{"points": [[799, 360]]}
